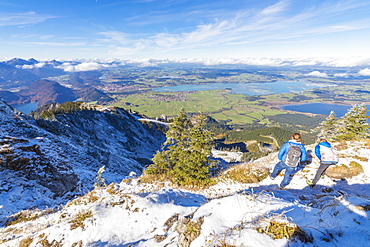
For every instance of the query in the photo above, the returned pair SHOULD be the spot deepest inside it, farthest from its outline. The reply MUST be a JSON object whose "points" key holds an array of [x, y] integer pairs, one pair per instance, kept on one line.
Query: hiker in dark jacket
{"points": [[327, 157], [289, 164]]}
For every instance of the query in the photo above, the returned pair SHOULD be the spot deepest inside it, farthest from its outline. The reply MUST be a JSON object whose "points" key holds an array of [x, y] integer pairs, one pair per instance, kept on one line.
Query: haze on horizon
{"points": [[161, 29]]}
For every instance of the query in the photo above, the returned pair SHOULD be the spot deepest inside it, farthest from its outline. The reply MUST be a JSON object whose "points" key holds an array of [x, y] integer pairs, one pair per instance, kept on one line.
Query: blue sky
{"points": [[184, 28]]}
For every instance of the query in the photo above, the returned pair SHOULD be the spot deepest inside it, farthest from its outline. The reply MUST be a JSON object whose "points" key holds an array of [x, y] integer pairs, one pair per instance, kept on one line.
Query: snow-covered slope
{"points": [[131, 213], [43, 163]]}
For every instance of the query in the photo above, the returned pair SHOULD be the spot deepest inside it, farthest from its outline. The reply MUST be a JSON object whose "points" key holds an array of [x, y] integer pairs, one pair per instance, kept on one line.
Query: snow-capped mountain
{"points": [[43, 162]]}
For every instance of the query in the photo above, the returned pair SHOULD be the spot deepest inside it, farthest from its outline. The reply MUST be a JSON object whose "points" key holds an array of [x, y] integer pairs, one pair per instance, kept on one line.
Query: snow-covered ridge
{"points": [[43, 163], [131, 213]]}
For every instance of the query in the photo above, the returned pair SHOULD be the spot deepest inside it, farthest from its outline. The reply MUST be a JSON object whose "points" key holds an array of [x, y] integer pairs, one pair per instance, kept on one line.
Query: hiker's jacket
{"points": [[284, 150], [325, 153]]}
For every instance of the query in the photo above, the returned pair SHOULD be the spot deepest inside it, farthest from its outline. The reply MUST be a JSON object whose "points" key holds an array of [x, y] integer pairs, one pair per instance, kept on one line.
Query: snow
{"points": [[227, 155], [132, 213], [66, 155]]}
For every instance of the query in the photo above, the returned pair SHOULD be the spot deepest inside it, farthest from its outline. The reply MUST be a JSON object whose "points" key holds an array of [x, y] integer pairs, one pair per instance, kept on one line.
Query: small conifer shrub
{"points": [[100, 181]]}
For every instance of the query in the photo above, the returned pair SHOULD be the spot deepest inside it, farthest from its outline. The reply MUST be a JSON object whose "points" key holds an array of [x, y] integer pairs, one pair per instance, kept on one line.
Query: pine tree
{"points": [[194, 165], [177, 132], [176, 139], [353, 125], [188, 148], [327, 128]]}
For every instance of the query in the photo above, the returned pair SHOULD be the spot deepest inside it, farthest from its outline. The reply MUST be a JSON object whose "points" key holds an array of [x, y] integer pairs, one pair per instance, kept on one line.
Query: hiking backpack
{"points": [[327, 154], [293, 156]]}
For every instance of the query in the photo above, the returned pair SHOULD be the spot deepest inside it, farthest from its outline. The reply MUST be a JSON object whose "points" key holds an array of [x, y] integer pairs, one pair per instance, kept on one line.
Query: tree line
{"points": [[352, 126]]}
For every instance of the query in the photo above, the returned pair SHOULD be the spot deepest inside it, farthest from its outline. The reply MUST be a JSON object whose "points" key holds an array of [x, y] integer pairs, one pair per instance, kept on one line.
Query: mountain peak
{"points": [[20, 62]]}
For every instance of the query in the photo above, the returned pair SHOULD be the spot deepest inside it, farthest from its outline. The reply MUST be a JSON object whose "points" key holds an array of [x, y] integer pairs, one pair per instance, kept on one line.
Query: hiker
{"points": [[327, 157], [290, 155]]}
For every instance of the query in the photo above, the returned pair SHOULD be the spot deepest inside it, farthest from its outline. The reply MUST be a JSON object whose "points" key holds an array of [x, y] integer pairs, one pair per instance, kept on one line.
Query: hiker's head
{"points": [[321, 140], [297, 137]]}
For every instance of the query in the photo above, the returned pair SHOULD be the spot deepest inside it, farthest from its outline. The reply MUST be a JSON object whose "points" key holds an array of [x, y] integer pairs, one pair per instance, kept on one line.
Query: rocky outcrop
{"points": [[26, 160]]}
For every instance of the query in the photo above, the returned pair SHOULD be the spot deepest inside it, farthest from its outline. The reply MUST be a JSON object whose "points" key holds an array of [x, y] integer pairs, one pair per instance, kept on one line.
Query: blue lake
{"points": [[25, 108], [277, 87], [249, 88], [320, 108]]}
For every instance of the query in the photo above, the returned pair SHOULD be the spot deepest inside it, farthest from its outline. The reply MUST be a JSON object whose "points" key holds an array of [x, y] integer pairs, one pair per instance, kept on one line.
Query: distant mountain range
{"points": [[11, 77], [41, 92], [20, 86]]}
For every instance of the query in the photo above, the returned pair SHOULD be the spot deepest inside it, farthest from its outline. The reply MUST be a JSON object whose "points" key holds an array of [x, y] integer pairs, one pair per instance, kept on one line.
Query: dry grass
{"points": [[344, 171], [246, 174], [79, 220], [45, 243], [111, 189], [77, 244], [360, 158], [363, 159], [160, 238], [189, 230], [342, 145], [154, 178], [160, 179], [26, 215], [84, 200], [367, 143], [26, 242], [364, 208], [278, 230], [170, 221]]}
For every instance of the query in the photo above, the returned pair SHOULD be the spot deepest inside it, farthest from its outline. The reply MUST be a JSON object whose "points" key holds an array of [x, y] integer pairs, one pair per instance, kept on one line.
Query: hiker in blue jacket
{"points": [[289, 160], [327, 157]]}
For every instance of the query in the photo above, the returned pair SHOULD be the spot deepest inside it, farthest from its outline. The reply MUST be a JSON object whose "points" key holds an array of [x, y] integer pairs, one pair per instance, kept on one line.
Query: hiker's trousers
{"points": [[321, 170], [288, 171]]}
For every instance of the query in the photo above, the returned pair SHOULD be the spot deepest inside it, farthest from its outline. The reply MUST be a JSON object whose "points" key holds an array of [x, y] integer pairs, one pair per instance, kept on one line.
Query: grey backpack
{"points": [[293, 156]]}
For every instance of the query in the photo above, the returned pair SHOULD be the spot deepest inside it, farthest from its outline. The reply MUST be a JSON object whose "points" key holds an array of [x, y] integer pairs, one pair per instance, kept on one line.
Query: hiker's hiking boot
{"points": [[310, 183]]}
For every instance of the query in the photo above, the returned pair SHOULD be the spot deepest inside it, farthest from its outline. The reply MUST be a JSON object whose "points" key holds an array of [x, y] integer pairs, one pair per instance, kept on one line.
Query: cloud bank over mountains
{"points": [[76, 65], [364, 72]]}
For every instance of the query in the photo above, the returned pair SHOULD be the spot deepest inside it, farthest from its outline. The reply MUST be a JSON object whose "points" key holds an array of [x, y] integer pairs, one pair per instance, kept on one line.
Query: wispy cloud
{"points": [[21, 19], [274, 23], [8, 4], [116, 37], [60, 44]]}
